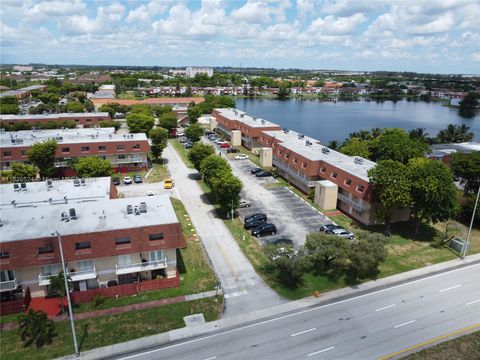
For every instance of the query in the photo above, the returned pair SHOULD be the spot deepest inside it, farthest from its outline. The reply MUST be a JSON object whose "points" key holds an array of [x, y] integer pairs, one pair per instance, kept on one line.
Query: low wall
{"points": [[126, 289], [17, 305]]}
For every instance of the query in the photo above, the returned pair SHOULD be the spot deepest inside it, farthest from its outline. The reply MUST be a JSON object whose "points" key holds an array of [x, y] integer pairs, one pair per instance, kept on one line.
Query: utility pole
{"points": [[67, 291], [464, 252]]}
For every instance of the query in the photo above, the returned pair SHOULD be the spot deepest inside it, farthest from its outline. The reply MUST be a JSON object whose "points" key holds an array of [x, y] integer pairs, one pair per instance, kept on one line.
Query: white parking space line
{"points": [[321, 351], [450, 288], [303, 332], [404, 324], [386, 307], [472, 302], [235, 294], [211, 358]]}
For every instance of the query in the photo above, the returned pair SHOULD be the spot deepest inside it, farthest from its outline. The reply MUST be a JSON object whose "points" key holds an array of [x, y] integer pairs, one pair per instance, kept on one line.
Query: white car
{"points": [[127, 180], [244, 203], [241, 157], [342, 233], [150, 193]]}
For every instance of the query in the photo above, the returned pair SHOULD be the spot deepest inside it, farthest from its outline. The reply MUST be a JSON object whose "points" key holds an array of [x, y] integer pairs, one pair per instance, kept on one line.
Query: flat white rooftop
{"points": [[54, 192], [460, 147], [234, 114], [52, 116], [315, 151], [97, 216], [66, 136]]}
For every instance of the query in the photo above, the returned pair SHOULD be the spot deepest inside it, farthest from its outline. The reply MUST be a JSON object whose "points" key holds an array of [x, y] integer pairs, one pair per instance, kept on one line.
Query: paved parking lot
{"points": [[293, 217]]}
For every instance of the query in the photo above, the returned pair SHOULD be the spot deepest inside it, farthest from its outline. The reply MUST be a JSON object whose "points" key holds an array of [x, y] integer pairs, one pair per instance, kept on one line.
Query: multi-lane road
{"points": [[368, 326]]}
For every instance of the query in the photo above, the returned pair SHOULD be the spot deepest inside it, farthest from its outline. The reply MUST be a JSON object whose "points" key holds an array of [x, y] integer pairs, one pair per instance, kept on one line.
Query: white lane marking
{"points": [[472, 302], [304, 332], [320, 351], [211, 358], [235, 294], [296, 313], [386, 307], [404, 324], [450, 288]]}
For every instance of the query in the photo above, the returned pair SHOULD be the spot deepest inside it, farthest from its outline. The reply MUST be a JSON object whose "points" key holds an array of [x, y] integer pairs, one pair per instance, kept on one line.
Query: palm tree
{"points": [[334, 145], [362, 135], [419, 134], [376, 132], [455, 134], [36, 327], [57, 287]]}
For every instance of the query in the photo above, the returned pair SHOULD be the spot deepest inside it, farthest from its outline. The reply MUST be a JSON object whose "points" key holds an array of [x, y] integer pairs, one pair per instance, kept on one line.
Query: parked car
{"points": [[244, 203], [208, 133], [224, 145], [182, 140], [282, 241], [328, 227], [264, 229], [185, 125], [137, 179], [263, 174], [241, 157], [255, 170], [232, 150], [180, 134], [127, 180], [219, 140], [256, 216], [252, 224], [168, 183], [150, 193], [342, 233], [188, 145], [116, 181]]}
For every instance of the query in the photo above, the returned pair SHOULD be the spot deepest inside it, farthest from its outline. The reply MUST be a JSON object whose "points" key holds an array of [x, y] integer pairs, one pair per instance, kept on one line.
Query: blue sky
{"points": [[439, 36]]}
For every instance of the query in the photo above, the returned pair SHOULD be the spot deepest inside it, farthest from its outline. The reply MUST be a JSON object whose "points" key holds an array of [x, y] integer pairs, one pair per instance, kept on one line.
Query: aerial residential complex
{"points": [[106, 241], [127, 152], [85, 120], [304, 161]]}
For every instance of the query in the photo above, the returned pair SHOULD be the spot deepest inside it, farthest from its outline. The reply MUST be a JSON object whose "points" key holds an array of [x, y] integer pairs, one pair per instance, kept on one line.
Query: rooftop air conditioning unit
{"points": [[143, 207], [263, 121], [16, 187], [301, 136], [76, 182], [23, 186], [129, 209], [325, 150], [358, 160], [82, 182], [73, 213]]}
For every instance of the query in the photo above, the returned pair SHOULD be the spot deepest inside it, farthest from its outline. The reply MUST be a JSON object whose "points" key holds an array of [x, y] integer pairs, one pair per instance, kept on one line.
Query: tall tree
{"points": [[455, 134], [433, 192], [159, 138], [395, 144], [211, 166], [109, 109], [198, 152], [334, 144], [226, 188], [168, 121], [325, 250], [286, 266], [467, 166], [356, 147], [92, 166], [366, 255], [57, 287], [469, 104], [283, 92], [140, 123], [75, 107], [194, 132], [419, 134], [42, 155], [23, 172]]}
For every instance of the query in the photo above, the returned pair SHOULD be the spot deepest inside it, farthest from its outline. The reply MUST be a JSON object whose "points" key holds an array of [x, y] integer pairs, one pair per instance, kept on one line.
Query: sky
{"points": [[439, 36]]}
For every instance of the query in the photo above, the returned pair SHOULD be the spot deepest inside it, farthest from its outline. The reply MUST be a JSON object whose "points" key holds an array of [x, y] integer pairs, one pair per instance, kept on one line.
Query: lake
{"points": [[327, 121]]}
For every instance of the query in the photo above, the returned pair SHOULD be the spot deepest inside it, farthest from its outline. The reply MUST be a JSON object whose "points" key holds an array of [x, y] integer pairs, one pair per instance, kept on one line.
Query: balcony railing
{"points": [[44, 280], [345, 199], [128, 160], [143, 266], [8, 285], [293, 173], [60, 164]]}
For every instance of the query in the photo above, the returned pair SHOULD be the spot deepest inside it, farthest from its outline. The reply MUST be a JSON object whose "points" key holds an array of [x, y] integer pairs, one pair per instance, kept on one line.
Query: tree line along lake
{"points": [[327, 121]]}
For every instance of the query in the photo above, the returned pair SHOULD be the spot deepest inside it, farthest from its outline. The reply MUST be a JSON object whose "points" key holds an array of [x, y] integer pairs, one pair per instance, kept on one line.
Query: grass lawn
{"points": [[466, 347], [182, 152], [106, 330], [8, 318], [129, 95], [158, 173]]}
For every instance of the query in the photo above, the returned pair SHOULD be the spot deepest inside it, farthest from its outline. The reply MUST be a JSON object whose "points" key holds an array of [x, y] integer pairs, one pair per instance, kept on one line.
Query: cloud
{"points": [[332, 25], [144, 13], [476, 56], [442, 24], [254, 12]]}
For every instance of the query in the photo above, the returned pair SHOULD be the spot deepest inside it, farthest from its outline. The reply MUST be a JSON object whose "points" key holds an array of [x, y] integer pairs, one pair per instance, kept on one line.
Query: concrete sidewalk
{"points": [[293, 306]]}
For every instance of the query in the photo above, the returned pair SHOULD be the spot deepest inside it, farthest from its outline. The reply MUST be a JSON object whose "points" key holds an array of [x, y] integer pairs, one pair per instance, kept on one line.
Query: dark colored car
{"points": [[255, 170], [264, 229], [257, 216], [116, 181], [137, 179], [252, 224], [282, 241], [232, 150], [263, 174], [329, 227]]}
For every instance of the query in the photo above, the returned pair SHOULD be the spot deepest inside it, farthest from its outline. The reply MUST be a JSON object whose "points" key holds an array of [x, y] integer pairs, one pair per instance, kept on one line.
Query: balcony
{"points": [[348, 201], [143, 266], [60, 164], [8, 285], [44, 280], [128, 160]]}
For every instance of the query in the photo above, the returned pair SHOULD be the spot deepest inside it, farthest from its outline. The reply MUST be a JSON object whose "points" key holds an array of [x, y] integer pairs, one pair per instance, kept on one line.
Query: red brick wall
{"points": [[126, 289], [12, 306], [25, 253], [81, 120]]}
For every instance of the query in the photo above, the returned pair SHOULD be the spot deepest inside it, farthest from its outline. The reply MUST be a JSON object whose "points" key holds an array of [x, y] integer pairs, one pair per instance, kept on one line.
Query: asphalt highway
{"points": [[368, 326]]}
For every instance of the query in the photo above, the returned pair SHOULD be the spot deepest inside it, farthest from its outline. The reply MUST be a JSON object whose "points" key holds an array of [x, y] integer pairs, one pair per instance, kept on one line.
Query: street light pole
{"points": [[464, 252], [70, 312]]}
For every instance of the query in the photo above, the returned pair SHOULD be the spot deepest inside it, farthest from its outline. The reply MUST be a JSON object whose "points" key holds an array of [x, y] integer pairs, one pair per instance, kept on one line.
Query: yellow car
{"points": [[168, 183]]}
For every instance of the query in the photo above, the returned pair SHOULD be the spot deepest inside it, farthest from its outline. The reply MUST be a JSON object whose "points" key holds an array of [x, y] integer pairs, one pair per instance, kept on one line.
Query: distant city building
{"points": [[191, 71], [85, 120], [127, 152], [22, 68], [178, 104], [104, 92], [23, 93]]}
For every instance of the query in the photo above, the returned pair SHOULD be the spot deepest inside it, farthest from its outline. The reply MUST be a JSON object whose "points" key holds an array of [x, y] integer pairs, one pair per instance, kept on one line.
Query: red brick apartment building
{"points": [[85, 120], [127, 152], [107, 242], [250, 127]]}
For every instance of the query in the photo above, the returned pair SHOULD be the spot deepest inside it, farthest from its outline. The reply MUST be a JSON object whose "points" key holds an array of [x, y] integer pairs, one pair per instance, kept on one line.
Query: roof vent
{"points": [[64, 216], [301, 136], [129, 209], [143, 207], [254, 118], [286, 131], [23, 186], [76, 182], [82, 182], [16, 187], [307, 143], [73, 213], [263, 121], [325, 150], [49, 184], [358, 160], [136, 209]]}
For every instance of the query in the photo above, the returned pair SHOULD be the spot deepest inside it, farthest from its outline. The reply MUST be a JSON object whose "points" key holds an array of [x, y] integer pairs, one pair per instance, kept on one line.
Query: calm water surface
{"points": [[334, 121]]}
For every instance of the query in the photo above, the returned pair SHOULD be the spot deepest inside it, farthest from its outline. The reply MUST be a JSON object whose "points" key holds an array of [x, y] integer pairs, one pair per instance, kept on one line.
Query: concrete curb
{"points": [[245, 319]]}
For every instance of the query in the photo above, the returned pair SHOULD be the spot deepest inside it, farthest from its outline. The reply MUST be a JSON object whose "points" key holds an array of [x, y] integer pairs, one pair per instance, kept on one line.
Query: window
{"points": [[24, 153], [323, 169], [348, 182], [158, 236], [124, 259], [304, 165], [85, 265], [89, 120], [50, 269], [121, 156], [7, 153], [7, 275], [102, 148], [334, 175], [295, 160], [279, 152], [120, 147], [122, 241], [83, 245], [157, 255], [65, 150], [136, 146], [4, 254], [286, 156], [360, 188], [47, 249], [85, 148]]}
